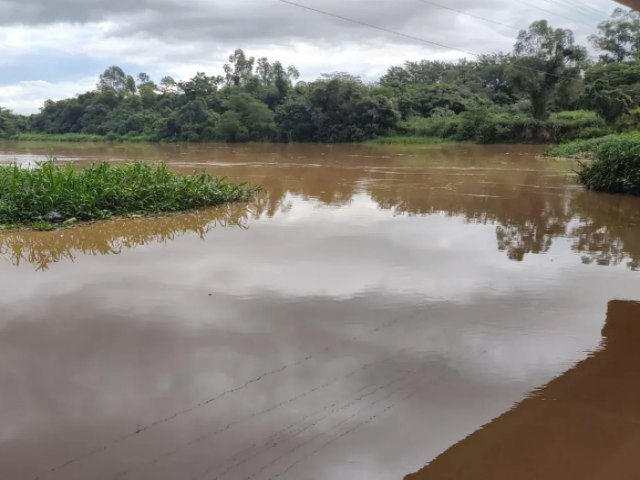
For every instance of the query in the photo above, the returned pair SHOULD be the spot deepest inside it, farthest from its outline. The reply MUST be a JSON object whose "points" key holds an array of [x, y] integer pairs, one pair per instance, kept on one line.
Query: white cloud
{"points": [[27, 96]]}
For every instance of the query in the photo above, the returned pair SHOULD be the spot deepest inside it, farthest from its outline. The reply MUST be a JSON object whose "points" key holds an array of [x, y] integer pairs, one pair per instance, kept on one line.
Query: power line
{"points": [[469, 14], [376, 27], [555, 13], [404, 35], [577, 8], [586, 6]]}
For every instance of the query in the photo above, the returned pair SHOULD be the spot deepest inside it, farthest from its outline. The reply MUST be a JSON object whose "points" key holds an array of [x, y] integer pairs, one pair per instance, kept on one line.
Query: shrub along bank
{"points": [[503, 126], [615, 164]]}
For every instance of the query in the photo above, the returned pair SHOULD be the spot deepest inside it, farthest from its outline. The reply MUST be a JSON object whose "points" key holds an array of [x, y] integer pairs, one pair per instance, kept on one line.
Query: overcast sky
{"points": [[57, 48]]}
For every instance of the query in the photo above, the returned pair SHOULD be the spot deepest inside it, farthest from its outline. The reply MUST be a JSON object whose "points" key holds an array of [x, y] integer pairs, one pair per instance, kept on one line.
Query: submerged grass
{"points": [[102, 191]]}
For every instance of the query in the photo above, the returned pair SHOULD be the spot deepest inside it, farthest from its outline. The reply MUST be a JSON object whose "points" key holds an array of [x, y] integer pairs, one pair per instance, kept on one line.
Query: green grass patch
{"points": [[62, 137], [103, 191], [80, 138], [589, 147], [405, 140]]}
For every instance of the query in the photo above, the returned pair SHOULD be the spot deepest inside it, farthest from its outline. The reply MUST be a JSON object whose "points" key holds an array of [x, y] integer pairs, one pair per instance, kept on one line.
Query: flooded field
{"points": [[370, 312]]}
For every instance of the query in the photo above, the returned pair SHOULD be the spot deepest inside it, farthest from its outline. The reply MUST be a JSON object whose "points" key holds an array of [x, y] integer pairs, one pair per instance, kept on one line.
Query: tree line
{"points": [[545, 88]]}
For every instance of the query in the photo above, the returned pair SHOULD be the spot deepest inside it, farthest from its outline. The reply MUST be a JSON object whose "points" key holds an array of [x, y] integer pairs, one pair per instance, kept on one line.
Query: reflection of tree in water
{"points": [[604, 228], [529, 205], [609, 229], [527, 220], [111, 237]]}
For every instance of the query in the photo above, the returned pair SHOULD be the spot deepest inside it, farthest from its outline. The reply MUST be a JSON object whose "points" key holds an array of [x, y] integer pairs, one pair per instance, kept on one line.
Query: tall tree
{"points": [[619, 37], [239, 70], [113, 79], [544, 58]]}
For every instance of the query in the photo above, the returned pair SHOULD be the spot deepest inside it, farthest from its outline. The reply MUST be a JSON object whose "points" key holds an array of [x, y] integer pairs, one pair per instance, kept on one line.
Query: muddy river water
{"points": [[370, 312]]}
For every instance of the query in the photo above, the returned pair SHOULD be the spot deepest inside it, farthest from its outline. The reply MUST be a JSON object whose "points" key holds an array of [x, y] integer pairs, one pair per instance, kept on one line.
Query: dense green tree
{"points": [[612, 89], [114, 79], [11, 124], [246, 118], [423, 72], [425, 99], [495, 97], [544, 59], [336, 109]]}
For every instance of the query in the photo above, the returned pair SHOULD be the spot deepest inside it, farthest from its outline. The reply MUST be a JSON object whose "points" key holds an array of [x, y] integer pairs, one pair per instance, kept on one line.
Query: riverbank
{"points": [[79, 138], [504, 126], [53, 195], [612, 163], [482, 126]]}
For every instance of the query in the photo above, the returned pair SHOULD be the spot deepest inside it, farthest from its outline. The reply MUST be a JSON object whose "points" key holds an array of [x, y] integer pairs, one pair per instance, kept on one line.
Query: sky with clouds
{"points": [[55, 49]]}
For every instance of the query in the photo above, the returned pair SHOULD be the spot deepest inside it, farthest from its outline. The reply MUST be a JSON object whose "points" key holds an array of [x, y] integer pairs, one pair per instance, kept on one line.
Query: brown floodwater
{"points": [[364, 317]]}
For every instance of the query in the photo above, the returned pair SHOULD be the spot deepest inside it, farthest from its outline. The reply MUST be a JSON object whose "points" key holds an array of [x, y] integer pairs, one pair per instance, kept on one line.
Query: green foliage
{"points": [[619, 37], [588, 147], [612, 89], [238, 106], [616, 168], [10, 124], [544, 60], [337, 109], [500, 125], [42, 226], [444, 126], [246, 119], [427, 100], [102, 191], [61, 137]]}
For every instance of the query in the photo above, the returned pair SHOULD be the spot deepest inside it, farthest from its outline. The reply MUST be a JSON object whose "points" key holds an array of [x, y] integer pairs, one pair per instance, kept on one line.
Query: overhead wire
{"points": [[462, 12], [400, 34], [551, 12], [377, 27], [578, 8], [575, 8], [585, 6]]}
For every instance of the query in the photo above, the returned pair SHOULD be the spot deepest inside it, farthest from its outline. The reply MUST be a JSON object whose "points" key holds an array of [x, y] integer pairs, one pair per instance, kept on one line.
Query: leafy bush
{"points": [[499, 125], [582, 148], [11, 124], [616, 168], [103, 190], [444, 126]]}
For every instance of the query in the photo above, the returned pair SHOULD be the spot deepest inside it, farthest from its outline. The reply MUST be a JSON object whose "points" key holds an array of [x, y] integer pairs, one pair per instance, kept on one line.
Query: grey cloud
{"points": [[179, 32], [255, 20]]}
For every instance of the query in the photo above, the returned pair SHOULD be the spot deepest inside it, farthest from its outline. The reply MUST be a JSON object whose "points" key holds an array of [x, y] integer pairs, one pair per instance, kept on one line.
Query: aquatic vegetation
{"points": [[102, 191]]}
